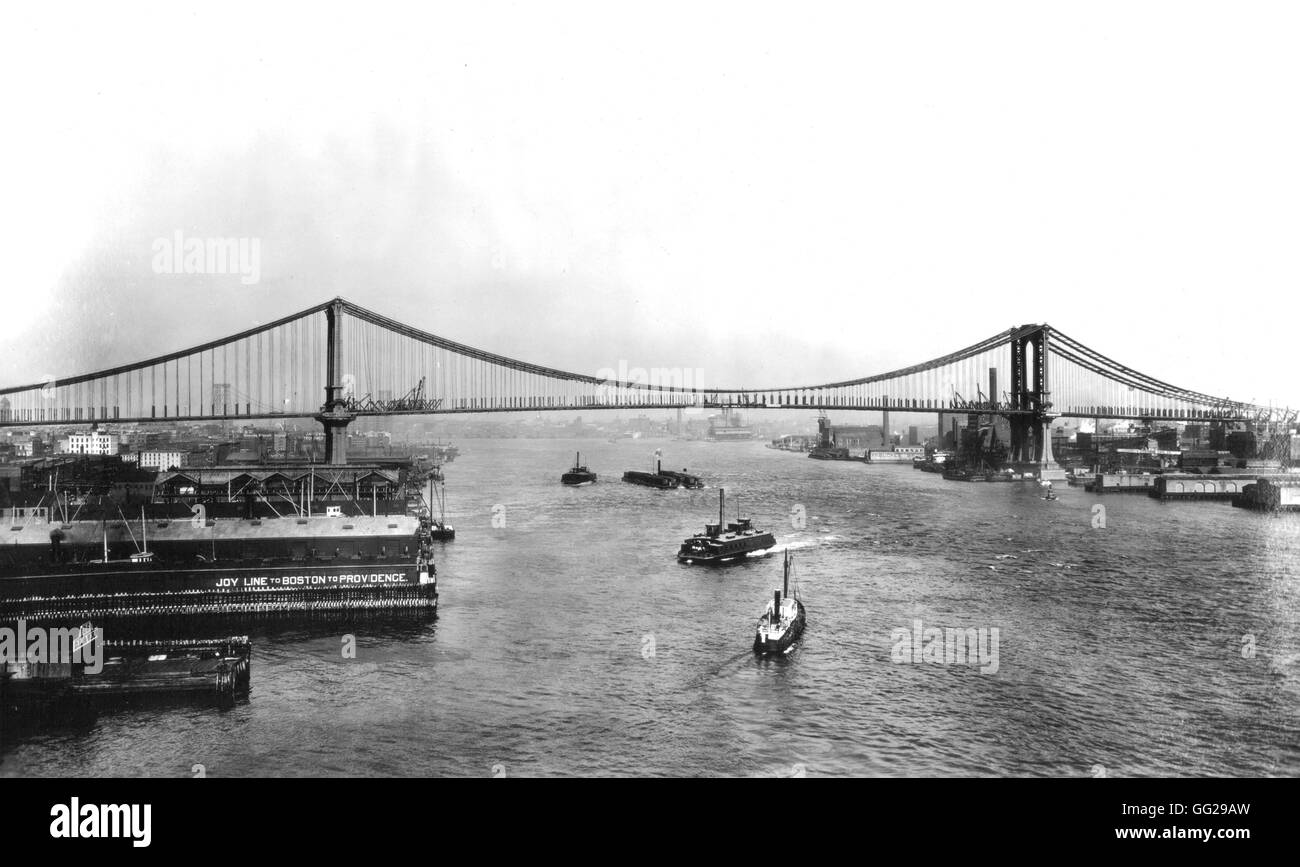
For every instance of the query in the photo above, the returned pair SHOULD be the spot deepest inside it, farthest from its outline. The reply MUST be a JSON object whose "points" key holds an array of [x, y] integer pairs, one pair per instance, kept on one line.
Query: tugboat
{"points": [[578, 475], [782, 621], [714, 546]]}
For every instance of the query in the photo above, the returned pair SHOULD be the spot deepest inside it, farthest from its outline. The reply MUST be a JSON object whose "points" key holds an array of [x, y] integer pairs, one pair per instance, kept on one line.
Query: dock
{"points": [[214, 669]]}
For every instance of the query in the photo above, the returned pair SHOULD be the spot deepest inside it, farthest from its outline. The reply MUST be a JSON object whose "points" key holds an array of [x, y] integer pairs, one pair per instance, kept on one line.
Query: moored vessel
{"points": [[85, 557], [438, 528]]}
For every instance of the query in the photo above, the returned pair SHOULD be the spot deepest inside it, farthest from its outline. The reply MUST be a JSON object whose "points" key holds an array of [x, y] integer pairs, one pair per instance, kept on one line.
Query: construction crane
{"points": [[413, 401]]}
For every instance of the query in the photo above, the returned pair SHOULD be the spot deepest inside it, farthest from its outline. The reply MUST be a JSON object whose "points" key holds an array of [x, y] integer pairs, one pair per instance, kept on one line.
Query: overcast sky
{"points": [[773, 194]]}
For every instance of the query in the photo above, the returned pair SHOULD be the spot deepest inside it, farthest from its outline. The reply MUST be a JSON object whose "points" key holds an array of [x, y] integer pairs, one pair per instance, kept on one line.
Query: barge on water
{"points": [[215, 669], [663, 479]]}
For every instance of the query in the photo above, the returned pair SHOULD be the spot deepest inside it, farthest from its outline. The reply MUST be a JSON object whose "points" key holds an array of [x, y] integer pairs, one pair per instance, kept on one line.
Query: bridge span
{"points": [[337, 361]]}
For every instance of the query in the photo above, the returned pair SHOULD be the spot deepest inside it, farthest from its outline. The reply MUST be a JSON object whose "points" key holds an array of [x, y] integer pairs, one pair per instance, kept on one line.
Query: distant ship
{"points": [[445, 453], [826, 450], [728, 428], [578, 474], [716, 546], [783, 620]]}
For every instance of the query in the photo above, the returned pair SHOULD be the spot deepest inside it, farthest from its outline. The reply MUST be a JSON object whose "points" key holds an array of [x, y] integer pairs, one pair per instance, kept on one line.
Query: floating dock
{"points": [[214, 669]]}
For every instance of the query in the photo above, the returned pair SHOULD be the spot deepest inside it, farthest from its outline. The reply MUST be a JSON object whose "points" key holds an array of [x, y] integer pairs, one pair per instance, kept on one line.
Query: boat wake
{"points": [[796, 544], [699, 681]]}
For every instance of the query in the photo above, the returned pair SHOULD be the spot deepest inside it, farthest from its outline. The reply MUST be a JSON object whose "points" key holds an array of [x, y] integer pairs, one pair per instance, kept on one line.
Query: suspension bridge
{"points": [[336, 362]]}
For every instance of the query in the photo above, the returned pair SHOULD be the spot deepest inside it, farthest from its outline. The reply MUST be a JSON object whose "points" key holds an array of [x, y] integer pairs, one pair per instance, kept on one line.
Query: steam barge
{"points": [[663, 479]]}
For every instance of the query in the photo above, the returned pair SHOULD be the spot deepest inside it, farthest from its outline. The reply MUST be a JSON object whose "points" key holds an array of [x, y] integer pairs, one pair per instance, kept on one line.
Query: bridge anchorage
{"points": [[279, 371]]}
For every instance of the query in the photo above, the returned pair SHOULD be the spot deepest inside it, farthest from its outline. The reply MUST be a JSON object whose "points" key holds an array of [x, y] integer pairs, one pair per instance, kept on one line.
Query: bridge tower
{"points": [[335, 415], [1031, 417]]}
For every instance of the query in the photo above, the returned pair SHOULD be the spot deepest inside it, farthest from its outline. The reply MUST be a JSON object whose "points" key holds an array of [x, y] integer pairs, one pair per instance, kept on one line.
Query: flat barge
{"points": [[219, 670], [662, 479]]}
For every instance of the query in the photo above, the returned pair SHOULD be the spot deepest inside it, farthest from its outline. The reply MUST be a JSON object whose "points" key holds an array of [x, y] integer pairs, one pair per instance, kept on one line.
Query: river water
{"points": [[1162, 640]]}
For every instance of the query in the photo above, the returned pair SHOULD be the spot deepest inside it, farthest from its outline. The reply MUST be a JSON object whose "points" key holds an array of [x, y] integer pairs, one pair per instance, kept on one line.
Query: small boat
{"points": [[716, 546], [1051, 494], [578, 474], [783, 620], [437, 528]]}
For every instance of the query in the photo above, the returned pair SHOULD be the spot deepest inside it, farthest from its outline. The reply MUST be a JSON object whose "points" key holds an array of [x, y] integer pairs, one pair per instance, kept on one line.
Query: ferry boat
{"points": [[716, 546], [95, 560], [578, 475], [783, 620]]}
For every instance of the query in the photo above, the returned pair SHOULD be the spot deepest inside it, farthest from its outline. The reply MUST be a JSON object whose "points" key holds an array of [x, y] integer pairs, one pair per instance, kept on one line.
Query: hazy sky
{"points": [[774, 194]]}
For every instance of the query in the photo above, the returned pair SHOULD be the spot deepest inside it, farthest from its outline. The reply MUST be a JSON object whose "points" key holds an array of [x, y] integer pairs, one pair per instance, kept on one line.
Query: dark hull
{"points": [[787, 639], [217, 670], [748, 545], [572, 478], [650, 480], [129, 591], [684, 480]]}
